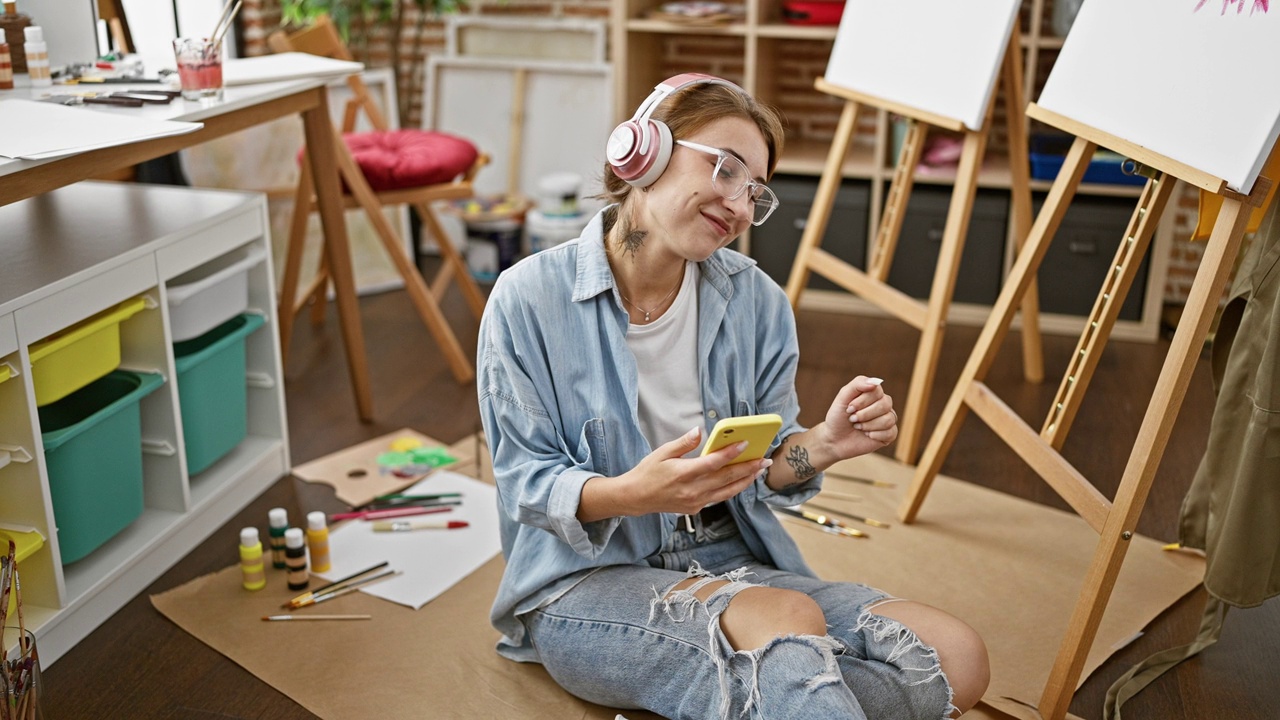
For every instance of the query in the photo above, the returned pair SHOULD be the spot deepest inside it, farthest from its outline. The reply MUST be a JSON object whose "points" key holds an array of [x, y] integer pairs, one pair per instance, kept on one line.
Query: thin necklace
{"points": [[661, 302]]}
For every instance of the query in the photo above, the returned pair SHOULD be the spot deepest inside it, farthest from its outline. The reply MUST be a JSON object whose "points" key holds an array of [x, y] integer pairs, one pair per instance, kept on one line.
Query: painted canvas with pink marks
{"points": [[1193, 80]]}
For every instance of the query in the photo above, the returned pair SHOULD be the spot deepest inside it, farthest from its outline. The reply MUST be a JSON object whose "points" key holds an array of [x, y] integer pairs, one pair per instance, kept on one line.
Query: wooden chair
{"points": [[112, 13], [322, 38]]}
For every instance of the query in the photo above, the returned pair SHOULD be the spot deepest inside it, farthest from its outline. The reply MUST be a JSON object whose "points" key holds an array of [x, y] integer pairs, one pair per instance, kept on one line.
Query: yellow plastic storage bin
{"points": [[68, 360], [27, 542]]}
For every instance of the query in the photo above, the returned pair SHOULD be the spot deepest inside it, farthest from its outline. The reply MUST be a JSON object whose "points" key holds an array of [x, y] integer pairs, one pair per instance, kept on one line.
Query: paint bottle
{"points": [[318, 541], [278, 522], [37, 57], [6, 63], [295, 556], [251, 565]]}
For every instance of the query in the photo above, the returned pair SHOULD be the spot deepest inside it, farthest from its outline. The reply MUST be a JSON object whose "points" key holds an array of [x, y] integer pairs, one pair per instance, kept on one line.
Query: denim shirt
{"points": [[557, 389]]}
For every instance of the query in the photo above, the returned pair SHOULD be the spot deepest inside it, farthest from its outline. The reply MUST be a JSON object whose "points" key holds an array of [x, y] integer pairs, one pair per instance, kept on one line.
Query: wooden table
{"points": [[242, 107]]}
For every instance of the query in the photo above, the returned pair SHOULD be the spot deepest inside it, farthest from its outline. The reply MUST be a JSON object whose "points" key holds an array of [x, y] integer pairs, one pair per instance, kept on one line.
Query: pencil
{"points": [[311, 593], [273, 618], [394, 512]]}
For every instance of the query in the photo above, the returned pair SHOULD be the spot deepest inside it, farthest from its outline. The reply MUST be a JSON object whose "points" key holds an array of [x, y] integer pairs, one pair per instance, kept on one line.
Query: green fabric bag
{"points": [[1232, 510]]}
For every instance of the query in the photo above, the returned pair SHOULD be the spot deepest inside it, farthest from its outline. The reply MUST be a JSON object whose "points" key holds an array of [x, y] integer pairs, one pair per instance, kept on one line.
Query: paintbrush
{"points": [[823, 521], [854, 478], [850, 516], [224, 22]]}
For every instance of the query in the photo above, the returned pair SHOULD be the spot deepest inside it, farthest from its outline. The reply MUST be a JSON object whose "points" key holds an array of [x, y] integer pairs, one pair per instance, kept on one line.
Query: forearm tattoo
{"points": [[798, 459]]}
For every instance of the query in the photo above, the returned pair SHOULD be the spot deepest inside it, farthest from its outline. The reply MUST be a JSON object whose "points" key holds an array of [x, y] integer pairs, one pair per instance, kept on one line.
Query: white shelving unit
{"points": [[70, 254], [759, 46]]}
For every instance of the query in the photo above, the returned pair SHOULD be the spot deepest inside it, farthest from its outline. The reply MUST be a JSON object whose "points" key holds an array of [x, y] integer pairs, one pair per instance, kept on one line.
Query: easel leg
{"points": [[453, 261], [1102, 319], [997, 325], [286, 307], [944, 281], [414, 283], [895, 209], [820, 213], [1144, 459], [320, 140], [1020, 192]]}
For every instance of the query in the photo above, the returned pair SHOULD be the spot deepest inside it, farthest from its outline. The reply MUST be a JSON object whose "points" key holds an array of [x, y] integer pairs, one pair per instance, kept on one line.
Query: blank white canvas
{"points": [[941, 56], [70, 29], [566, 118], [1197, 86]]}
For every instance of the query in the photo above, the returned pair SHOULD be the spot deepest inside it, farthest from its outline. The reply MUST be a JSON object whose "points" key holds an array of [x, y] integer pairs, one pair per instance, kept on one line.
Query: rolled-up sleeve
{"points": [[539, 481], [778, 357]]}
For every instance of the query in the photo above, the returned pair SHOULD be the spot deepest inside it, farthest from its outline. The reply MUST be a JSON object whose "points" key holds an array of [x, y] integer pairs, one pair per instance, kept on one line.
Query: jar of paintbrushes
{"points": [[20, 686]]}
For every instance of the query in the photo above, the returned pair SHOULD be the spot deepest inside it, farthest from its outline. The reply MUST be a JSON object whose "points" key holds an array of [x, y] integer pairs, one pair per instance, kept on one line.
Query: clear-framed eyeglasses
{"points": [[731, 178]]}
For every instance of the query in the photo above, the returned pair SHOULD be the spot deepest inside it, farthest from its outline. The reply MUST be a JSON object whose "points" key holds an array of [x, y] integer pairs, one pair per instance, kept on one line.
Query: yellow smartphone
{"points": [[758, 430]]}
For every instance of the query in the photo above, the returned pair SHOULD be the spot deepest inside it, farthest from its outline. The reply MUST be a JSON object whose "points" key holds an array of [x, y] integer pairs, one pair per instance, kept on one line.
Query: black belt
{"points": [[708, 515]]}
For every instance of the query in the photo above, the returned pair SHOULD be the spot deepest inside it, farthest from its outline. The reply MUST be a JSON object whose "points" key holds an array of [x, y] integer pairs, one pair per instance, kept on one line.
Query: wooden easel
{"points": [[872, 285], [1115, 520]]}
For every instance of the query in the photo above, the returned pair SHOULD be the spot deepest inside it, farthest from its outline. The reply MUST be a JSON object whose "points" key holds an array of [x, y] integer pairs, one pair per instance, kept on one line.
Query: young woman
{"points": [[640, 574]]}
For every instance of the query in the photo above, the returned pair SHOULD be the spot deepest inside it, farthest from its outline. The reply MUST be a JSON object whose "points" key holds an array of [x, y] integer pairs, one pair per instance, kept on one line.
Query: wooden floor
{"points": [[139, 665]]}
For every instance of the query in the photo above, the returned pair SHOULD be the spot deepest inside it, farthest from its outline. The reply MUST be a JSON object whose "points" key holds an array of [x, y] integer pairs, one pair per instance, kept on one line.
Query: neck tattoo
{"points": [[661, 302]]}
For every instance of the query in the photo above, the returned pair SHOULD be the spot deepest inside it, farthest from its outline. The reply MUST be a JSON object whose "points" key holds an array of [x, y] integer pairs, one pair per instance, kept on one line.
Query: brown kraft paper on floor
{"points": [[1010, 568]]}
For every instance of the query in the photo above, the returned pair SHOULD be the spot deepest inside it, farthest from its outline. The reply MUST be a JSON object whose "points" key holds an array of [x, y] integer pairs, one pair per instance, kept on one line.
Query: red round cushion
{"points": [[400, 159]]}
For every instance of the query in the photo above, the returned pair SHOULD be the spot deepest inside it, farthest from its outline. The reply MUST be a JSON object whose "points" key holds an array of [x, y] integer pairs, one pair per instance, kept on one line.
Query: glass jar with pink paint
{"points": [[199, 68]]}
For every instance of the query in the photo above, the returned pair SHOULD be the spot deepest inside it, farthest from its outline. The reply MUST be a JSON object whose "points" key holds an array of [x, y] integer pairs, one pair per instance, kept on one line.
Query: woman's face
{"points": [[682, 211]]}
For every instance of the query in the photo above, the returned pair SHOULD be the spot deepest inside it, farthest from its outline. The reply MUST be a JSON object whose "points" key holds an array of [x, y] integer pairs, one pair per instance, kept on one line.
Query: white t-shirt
{"points": [[666, 350]]}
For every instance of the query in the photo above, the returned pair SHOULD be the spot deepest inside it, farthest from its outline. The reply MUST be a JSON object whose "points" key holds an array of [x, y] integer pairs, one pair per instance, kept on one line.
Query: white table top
{"points": [[311, 71]]}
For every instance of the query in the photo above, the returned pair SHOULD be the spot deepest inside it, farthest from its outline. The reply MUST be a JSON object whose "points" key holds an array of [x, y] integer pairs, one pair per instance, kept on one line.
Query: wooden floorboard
{"points": [[139, 665]]}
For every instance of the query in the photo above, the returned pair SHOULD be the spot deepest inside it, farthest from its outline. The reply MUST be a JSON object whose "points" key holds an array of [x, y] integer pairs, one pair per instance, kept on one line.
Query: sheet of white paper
{"points": [[430, 561], [284, 66], [34, 130]]}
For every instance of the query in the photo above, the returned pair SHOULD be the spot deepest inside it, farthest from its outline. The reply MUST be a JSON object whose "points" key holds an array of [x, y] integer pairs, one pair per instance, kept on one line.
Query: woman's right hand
{"points": [[666, 481]]}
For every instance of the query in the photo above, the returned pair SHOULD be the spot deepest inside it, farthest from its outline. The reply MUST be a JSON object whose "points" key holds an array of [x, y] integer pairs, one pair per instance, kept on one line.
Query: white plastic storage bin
{"points": [[205, 297]]}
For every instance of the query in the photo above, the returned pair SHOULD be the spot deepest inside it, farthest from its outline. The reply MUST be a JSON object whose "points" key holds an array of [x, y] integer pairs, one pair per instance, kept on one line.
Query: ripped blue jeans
{"points": [[622, 639]]}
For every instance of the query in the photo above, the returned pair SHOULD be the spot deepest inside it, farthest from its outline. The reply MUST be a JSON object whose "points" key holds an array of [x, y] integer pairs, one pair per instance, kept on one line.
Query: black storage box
{"points": [[774, 244], [981, 261]]}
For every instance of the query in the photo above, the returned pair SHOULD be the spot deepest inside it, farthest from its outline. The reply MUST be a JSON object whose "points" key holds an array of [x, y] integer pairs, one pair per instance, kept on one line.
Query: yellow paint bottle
{"points": [[318, 541], [251, 565]]}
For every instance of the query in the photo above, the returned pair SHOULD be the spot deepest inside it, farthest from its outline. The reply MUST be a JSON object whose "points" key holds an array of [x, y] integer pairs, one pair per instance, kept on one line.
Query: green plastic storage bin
{"points": [[211, 390], [93, 451]]}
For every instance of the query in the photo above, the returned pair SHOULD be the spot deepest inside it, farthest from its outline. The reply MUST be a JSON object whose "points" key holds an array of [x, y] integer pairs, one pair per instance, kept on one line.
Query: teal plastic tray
{"points": [[211, 390], [93, 451]]}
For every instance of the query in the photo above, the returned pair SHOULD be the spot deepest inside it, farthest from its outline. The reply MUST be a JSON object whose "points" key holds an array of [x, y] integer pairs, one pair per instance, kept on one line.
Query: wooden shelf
{"points": [[796, 32], [665, 27], [808, 157], [90, 241]]}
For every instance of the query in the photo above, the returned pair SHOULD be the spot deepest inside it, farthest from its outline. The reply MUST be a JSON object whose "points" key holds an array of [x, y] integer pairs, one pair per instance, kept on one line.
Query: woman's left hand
{"points": [[861, 419]]}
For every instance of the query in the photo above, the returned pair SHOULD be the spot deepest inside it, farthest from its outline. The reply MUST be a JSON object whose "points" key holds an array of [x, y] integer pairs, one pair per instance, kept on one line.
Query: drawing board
{"points": [[940, 56], [1193, 80]]}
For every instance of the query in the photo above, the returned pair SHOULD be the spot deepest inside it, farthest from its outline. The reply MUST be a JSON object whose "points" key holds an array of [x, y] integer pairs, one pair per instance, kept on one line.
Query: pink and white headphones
{"points": [[640, 148]]}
